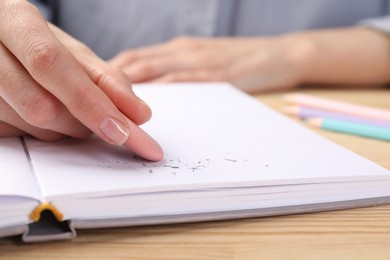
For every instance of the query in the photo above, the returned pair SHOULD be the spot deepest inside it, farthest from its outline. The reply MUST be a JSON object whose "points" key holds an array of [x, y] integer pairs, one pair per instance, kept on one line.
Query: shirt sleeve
{"points": [[378, 23]]}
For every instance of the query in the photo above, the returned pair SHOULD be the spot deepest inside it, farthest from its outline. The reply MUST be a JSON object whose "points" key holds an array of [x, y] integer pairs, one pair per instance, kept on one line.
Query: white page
{"points": [[212, 135], [15, 173]]}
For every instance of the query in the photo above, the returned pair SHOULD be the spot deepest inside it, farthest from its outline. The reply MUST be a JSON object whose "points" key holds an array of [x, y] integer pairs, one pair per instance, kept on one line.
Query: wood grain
{"points": [[348, 234]]}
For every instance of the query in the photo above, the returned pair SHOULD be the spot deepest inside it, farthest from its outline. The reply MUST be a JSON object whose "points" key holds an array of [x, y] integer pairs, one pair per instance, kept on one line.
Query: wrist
{"points": [[301, 55]]}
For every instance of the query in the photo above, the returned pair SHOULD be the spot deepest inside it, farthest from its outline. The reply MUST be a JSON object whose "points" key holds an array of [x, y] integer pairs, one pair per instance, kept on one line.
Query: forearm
{"points": [[343, 56]]}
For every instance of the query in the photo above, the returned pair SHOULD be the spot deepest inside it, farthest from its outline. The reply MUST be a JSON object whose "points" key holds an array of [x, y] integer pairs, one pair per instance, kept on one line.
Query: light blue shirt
{"points": [[109, 26]]}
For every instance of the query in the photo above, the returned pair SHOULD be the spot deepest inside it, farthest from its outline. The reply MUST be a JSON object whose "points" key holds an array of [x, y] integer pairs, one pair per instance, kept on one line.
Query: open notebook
{"points": [[226, 156]]}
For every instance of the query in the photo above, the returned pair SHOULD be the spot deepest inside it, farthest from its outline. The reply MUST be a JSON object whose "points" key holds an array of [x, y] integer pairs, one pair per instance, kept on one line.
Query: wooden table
{"points": [[348, 234]]}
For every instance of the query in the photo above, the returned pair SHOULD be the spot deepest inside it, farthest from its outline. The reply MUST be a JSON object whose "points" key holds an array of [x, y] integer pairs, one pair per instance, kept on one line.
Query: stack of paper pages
{"points": [[226, 156]]}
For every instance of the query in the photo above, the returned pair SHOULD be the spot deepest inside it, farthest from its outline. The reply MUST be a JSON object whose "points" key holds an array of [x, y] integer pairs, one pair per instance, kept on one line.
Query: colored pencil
{"points": [[376, 132], [339, 107], [308, 112]]}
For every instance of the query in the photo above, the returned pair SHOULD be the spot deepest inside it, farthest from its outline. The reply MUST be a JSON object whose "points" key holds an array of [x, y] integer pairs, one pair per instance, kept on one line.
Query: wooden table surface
{"points": [[347, 234]]}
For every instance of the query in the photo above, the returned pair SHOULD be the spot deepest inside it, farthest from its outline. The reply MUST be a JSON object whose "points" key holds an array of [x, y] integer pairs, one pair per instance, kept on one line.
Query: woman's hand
{"points": [[53, 86], [252, 64], [351, 55]]}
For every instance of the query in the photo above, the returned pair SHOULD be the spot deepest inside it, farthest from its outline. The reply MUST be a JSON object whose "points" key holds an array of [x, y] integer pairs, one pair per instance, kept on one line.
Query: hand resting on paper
{"points": [[353, 55], [53, 86]]}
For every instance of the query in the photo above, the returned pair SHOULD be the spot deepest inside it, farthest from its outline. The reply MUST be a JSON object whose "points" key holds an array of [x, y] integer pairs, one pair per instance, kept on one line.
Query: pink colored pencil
{"points": [[308, 112], [339, 107]]}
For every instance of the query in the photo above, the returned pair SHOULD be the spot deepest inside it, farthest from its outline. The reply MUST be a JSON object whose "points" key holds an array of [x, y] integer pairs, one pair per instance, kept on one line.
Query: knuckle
{"points": [[201, 58], [102, 79], [115, 72], [41, 56], [41, 110], [185, 42], [128, 56], [146, 68], [109, 76]]}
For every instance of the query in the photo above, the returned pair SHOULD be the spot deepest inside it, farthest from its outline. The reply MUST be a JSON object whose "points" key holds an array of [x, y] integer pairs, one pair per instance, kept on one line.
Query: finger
{"points": [[176, 46], [14, 125], [32, 102], [54, 68], [7, 130], [114, 83], [193, 76], [28, 37], [127, 57], [140, 143], [150, 68]]}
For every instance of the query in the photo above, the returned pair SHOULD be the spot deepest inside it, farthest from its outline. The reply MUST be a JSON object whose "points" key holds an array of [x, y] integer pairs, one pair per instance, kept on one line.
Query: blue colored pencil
{"points": [[382, 133]]}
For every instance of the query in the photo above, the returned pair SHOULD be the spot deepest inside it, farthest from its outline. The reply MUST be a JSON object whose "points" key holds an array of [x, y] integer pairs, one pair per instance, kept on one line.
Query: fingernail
{"points": [[115, 131]]}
